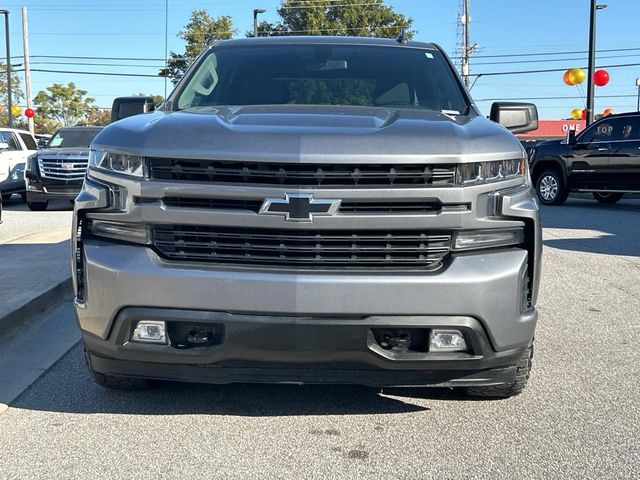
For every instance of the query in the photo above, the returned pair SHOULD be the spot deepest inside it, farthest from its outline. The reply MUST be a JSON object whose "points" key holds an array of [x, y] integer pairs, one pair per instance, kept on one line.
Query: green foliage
{"points": [[157, 99], [16, 92], [347, 17], [65, 104], [201, 30]]}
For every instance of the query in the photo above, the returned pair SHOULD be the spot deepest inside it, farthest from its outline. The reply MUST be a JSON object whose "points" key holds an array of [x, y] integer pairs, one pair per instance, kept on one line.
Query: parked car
{"points": [[603, 159], [311, 210], [58, 170], [15, 146], [42, 139]]}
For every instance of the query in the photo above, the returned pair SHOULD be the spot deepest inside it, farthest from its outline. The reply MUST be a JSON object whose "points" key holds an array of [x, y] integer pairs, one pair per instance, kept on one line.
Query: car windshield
{"points": [[321, 74], [73, 138]]}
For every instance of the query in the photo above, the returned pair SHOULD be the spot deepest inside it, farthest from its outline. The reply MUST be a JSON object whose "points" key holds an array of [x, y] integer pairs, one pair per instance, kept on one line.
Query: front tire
{"points": [[608, 197], [37, 206], [523, 371], [117, 382], [551, 188]]}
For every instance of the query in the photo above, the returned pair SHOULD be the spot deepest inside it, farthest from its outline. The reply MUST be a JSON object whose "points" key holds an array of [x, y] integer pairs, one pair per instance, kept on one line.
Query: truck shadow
{"points": [[68, 388], [604, 229]]}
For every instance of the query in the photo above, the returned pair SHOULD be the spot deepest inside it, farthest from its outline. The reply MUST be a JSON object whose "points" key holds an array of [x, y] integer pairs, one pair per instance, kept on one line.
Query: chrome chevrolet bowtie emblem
{"points": [[299, 207]]}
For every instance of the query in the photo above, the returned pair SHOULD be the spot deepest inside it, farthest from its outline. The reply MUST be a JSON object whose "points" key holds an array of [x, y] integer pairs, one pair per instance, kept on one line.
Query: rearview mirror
{"points": [[514, 116], [124, 107], [4, 146]]}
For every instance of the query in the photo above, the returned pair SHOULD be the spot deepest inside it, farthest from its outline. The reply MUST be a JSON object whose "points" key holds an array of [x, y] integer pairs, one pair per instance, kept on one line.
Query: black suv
{"points": [[604, 159], [58, 170]]}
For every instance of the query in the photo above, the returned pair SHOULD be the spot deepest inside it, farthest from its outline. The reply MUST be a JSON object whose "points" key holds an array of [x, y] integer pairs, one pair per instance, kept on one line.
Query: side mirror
{"points": [[571, 137], [514, 116], [124, 107], [4, 146]]}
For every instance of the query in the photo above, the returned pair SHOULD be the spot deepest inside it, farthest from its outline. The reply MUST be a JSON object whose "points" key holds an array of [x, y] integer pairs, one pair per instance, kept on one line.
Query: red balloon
{"points": [[584, 114], [29, 113], [601, 78]]}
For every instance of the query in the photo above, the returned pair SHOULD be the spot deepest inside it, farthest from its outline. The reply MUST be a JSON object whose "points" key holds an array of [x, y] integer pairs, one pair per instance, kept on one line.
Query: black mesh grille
{"points": [[347, 206], [302, 248], [303, 174]]}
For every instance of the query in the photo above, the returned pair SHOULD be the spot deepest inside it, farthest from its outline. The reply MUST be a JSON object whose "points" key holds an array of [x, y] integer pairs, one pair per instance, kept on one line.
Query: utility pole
{"points": [[9, 102], [592, 58], [466, 47], [256, 11], [638, 85], [27, 68]]}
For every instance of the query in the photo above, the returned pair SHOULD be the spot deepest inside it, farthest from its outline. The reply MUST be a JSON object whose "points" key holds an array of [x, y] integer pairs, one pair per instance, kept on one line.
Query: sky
{"points": [[519, 29]]}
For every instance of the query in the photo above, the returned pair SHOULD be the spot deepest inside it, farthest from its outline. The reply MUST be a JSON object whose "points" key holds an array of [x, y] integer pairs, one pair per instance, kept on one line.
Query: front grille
{"points": [[346, 206], [368, 249], [303, 174], [63, 167]]}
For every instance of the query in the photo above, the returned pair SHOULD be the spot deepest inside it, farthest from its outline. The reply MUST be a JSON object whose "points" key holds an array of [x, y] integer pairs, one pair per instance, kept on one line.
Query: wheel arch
{"points": [[546, 164]]}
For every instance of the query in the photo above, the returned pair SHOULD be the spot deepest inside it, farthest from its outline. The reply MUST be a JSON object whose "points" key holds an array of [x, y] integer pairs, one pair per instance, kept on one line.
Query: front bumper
{"points": [[279, 349], [305, 328]]}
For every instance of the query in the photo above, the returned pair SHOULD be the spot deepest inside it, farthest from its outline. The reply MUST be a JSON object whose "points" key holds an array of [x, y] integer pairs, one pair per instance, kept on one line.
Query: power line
{"points": [[545, 70], [538, 54], [111, 74]]}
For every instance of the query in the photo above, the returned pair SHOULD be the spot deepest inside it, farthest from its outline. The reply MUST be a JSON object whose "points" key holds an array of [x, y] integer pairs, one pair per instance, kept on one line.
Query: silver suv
{"points": [[309, 210]]}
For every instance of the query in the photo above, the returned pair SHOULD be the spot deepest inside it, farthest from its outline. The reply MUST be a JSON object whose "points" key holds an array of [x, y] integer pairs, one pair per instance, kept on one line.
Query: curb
{"points": [[36, 305]]}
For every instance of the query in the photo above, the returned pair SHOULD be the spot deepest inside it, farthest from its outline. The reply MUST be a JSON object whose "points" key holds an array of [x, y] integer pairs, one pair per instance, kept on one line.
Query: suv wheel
{"points": [[608, 197], [550, 188], [37, 206], [117, 382], [505, 391]]}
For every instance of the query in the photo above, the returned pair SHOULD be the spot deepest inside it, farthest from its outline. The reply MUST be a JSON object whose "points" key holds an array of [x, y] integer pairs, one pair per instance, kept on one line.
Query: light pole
{"points": [[638, 85], [256, 11], [592, 58], [9, 102]]}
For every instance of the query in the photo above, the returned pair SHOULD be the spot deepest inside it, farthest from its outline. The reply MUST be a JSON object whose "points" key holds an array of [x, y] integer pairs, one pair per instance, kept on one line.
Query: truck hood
{"points": [[72, 152], [294, 133]]}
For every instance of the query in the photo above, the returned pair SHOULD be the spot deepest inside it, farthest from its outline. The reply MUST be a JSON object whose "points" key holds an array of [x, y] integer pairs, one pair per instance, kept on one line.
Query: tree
{"points": [[16, 92], [65, 104], [99, 116], [157, 99], [346, 17], [201, 30]]}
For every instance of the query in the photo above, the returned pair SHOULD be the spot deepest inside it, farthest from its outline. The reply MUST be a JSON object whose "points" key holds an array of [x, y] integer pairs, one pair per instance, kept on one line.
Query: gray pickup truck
{"points": [[311, 210]]}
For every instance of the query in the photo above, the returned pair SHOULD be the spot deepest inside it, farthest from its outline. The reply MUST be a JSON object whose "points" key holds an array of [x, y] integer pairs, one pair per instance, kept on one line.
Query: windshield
{"points": [[73, 138], [400, 77]]}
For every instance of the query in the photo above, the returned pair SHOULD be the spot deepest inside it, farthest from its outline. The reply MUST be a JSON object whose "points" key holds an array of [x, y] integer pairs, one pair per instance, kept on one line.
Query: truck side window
{"points": [[29, 141], [599, 132], [630, 129]]}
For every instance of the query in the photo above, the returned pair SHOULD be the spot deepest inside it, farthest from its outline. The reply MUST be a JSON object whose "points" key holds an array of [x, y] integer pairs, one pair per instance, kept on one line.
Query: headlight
{"points": [[128, 232], [493, 238], [117, 162], [479, 173]]}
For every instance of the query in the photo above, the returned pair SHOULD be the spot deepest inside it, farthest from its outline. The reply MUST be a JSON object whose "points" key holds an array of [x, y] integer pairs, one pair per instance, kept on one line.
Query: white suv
{"points": [[15, 146]]}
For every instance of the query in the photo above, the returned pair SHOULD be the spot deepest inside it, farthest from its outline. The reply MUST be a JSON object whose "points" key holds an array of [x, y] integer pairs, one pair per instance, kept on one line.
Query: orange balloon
{"points": [[1, 108], [608, 111], [567, 78]]}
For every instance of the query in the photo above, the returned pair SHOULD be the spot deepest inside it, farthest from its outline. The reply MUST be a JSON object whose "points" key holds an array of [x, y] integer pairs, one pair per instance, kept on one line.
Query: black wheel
{"points": [[6, 197], [117, 382], [37, 206], [608, 197], [550, 188], [23, 197], [509, 390]]}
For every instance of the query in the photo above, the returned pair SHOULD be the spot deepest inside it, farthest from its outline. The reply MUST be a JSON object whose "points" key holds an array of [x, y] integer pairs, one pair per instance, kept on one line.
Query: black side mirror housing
{"points": [[571, 137], [515, 116], [124, 107]]}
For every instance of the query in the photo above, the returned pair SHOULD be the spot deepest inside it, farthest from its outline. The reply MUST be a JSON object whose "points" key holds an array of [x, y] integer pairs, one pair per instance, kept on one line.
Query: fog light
{"points": [[447, 341], [150, 331]]}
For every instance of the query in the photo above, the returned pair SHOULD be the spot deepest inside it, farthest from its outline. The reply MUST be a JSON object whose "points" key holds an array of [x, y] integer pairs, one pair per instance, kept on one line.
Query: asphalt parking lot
{"points": [[579, 417]]}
